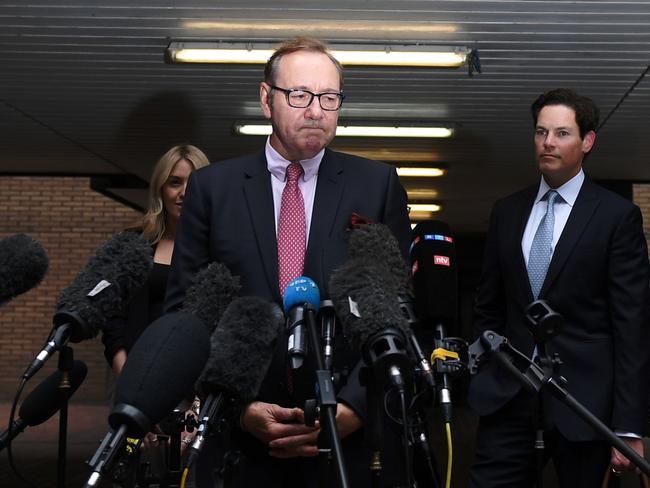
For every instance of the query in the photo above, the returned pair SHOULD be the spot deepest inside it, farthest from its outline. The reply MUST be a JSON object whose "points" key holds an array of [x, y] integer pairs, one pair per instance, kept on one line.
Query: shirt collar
{"points": [[277, 165], [568, 191]]}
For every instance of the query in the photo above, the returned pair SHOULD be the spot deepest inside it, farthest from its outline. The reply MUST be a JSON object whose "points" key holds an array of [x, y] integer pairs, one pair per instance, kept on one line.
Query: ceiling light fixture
{"points": [[421, 193], [424, 207], [358, 131], [390, 155], [421, 171], [416, 55]]}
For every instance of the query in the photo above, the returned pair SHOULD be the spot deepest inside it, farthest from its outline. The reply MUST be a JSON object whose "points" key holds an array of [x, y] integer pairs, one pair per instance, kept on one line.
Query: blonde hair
{"points": [[153, 222]]}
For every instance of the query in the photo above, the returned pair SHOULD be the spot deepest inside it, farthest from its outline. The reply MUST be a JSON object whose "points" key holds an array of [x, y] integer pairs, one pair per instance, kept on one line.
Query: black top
{"points": [[146, 306]]}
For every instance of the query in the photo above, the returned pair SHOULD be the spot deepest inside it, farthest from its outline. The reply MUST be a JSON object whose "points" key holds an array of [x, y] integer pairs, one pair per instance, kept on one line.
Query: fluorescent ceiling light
{"points": [[374, 131], [420, 171], [421, 193], [351, 55], [424, 207], [382, 111], [358, 131], [391, 155], [253, 129], [225, 56]]}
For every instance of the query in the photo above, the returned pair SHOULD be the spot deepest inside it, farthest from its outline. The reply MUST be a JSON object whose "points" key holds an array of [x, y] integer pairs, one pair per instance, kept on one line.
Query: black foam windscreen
{"points": [[161, 369], [366, 300], [242, 347], [23, 264], [46, 399], [434, 271], [105, 285], [212, 290], [377, 243]]}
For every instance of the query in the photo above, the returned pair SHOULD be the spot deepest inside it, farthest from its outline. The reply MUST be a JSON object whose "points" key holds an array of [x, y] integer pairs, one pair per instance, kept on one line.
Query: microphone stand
{"points": [[326, 398], [418, 429], [173, 425], [534, 378], [65, 366], [549, 369]]}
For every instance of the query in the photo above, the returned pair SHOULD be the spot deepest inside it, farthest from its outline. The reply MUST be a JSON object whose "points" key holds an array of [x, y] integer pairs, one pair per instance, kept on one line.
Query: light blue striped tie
{"points": [[540, 250]]}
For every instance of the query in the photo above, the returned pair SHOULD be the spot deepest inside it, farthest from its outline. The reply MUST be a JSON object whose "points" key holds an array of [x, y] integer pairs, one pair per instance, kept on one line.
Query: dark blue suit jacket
{"points": [[598, 280]]}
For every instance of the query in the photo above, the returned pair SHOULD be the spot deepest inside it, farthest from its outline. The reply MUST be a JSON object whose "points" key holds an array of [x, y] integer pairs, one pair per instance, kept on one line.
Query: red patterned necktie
{"points": [[291, 229]]}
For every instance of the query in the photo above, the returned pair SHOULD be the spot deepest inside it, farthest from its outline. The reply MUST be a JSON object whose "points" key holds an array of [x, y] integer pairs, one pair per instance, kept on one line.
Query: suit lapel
{"points": [[329, 191], [259, 198], [581, 213]]}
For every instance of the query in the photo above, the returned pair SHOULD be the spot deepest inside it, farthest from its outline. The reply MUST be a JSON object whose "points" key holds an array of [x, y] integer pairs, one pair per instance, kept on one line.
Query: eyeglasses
{"points": [[330, 101]]}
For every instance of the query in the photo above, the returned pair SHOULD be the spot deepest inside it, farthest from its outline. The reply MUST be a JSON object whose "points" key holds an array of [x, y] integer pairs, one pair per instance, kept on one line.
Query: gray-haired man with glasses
{"points": [[278, 214]]}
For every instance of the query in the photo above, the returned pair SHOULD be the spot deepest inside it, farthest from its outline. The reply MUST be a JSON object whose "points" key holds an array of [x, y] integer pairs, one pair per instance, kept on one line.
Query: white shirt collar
{"points": [[568, 191]]}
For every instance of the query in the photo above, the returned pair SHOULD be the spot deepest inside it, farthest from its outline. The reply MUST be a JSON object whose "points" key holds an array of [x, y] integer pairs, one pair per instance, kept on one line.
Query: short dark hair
{"points": [[587, 113], [298, 44]]}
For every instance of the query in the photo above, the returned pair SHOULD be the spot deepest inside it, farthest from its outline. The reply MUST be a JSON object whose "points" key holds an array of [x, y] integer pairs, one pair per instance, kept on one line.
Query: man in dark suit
{"points": [[582, 249], [234, 212]]}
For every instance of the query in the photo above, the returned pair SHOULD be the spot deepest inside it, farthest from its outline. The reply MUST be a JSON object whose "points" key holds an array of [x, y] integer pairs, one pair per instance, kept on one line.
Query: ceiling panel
{"points": [[85, 90]]}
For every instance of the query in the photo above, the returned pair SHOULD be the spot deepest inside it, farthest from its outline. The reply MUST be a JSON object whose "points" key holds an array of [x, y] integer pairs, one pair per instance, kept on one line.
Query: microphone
{"points": [[376, 245], [300, 296], [23, 264], [101, 290], [212, 290], [435, 282], [327, 316], [373, 323], [44, 401], [371, 319], [241, 351], [159, 372], [367, 291], [434, 272]]}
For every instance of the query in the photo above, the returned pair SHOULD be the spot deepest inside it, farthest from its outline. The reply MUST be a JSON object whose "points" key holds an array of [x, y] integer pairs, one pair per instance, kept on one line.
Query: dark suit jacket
{"points": [[228, 217], [598, 280]]}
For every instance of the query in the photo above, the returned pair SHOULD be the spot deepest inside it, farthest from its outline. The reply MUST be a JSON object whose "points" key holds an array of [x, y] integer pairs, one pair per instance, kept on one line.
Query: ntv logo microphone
{"points": [[441, 260]]}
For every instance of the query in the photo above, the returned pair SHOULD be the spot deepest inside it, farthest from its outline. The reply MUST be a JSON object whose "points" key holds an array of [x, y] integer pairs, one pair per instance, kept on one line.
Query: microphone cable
{"points": [[439, 357], [186, 471], [450, 454], [12, 416]]}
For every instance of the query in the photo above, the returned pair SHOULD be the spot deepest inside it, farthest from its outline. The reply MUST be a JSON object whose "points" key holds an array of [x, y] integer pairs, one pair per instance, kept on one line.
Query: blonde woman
{"points": [[158, 226]]}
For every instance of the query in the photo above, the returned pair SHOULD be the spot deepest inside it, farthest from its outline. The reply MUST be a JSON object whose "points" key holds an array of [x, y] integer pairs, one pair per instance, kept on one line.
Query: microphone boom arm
{"points": [[533, 378]]}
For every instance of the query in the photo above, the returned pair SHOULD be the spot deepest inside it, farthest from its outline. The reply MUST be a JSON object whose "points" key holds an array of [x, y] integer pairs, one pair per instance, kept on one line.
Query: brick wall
{"points": [[70, 221], [641, 197]]}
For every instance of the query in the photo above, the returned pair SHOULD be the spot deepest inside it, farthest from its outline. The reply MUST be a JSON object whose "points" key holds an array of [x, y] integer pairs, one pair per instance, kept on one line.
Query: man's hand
{"points": [[347, 421], [619, 461], [282, 429]]}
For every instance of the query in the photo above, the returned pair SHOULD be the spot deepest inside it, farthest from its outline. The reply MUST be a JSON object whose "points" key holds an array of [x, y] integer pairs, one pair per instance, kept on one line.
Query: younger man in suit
{"points": [[582, 249]]}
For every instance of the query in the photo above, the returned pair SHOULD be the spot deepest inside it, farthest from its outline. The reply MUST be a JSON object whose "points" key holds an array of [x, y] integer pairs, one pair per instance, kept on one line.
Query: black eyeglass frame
{"points": [[289, 91]]}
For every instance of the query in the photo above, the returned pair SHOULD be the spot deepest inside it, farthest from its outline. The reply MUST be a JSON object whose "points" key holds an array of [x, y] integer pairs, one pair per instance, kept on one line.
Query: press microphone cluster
{"points": [[160, 372], [44, 401], [23, 264], [100, 291], [241, 350]]}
